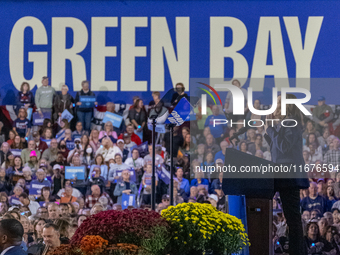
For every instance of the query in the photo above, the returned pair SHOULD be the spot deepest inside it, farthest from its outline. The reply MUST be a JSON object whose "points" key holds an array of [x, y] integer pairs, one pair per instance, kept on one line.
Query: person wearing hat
{"points": [[122, 146], [29, 152], [322, 114], [33, 162]]}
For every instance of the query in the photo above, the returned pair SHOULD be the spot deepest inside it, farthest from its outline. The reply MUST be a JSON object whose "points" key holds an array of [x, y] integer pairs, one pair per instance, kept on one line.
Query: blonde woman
{"points": [[108, 131]]}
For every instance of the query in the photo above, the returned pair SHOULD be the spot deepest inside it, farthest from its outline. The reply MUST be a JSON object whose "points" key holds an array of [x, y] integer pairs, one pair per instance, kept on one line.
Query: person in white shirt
{"points": [[32, 205], [108, 150], [135, 161], [75, 192]]}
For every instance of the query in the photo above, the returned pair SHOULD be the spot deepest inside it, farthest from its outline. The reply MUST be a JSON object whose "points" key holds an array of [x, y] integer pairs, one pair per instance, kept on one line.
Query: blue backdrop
{"points": [[60, 26]]}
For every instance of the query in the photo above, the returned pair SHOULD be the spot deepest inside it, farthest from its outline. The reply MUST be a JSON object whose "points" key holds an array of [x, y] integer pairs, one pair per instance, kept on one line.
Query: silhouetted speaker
{"points": [[259, 194]]}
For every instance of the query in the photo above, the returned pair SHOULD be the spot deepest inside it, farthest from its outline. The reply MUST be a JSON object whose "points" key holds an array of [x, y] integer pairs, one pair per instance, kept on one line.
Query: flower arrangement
{"points": [[201, 227], [93, 245]]}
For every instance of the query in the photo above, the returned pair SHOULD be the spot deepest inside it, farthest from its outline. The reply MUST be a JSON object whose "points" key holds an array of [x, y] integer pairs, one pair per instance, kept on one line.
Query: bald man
{"points": [[95, 195], [314, 200]]}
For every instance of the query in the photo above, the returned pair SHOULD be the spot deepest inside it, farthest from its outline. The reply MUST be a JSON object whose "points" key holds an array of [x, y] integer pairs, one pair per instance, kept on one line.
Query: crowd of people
{"points": [[116, 161]]}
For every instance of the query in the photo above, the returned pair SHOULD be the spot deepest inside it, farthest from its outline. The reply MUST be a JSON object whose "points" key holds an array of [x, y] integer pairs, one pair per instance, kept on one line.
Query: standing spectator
{"points": [[26, 153], [63, 101], [51, 153], [179, 94], [333, 155], [130, 131], [125, 186], [25, 97], [22, 125], [99, 161], [11, 232], [118, 166], [39, 145], [138, 118], [79, 132], [84, 114], [217, 131], [44, 96], [146, 180], [95, 195], [322, 114], [108, 132], [314, 200]]}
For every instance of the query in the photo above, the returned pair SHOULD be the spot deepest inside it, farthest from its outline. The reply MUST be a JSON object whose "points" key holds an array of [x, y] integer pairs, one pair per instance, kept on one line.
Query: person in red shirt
{"points": [[39, 145], [134, 138]]}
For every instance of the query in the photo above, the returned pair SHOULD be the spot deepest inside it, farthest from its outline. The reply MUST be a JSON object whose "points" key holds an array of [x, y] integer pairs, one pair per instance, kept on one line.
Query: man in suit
{"points": [[11, 232]]}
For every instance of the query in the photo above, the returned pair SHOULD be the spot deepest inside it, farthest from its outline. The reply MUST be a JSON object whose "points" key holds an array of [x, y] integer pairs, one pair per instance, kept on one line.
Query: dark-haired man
{"points": [[11, 232]]}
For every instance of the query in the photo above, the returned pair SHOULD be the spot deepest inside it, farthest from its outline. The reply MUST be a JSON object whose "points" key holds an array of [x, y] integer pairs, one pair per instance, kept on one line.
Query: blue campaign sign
{"points": [[180, 114], [164, 175], [87, 101], [35, 189], [75, 171], [115, 119], [132, 174], [128, 200], [66, 115], [130, 48], [160, 128], [39, 120], [29, 113]]}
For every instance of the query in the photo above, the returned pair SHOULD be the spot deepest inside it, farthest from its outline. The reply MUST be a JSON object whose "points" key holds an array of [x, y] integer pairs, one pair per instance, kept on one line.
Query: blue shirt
{"points": [[194, 182], [184, 185], [308, 204], [46, 183], [218, 130], [22, 126]]}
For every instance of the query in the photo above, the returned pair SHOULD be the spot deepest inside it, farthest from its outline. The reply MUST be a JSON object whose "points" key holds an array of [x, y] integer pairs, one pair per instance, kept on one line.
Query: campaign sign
{"points": [[160, 128], [75, 171], [35, 189], [180, 114], [115, 119], [38, 120], [66, 115], [132, 174], [128, 200], [14, 201], [87, 101], [164, 175], [142, 149], [29, 113], [16, 152]]}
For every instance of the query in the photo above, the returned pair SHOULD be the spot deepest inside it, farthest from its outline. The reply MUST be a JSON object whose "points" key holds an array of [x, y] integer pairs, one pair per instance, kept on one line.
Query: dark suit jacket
{"points": [[17, 250], [286, 148]]}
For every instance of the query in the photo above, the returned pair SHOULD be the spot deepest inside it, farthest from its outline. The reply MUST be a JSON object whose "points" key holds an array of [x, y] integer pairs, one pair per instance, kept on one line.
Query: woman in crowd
{"points": [[63, 148], [125, 186], [11, 134], [64, 126], [94, 140], [99, 161], [78, 150], [14, 199], [38, 227], [22, 125], [209, 160], [311, 139], [57, 179], [47, 136], [62, 102], [88, 157], [323, 139], [115, 167], [4, 152], [330, 196], [244, 147], [46, 196], [17, 143], [188, 147], [310, 128], [46, 124], [25, 224], [138, 117], [108, 132], [16, 169], [25, 97], [323, 224], [27, 174]]}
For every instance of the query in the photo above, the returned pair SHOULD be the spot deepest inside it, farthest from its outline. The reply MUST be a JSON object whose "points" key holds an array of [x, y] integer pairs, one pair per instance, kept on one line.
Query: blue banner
{"points": [[66, 115], [87, 101], [75, 171], [128, 200], [35, 189], [164, 175], [16, 152], [131, 48], [180, 114], [115, 119], [39, 120]]}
